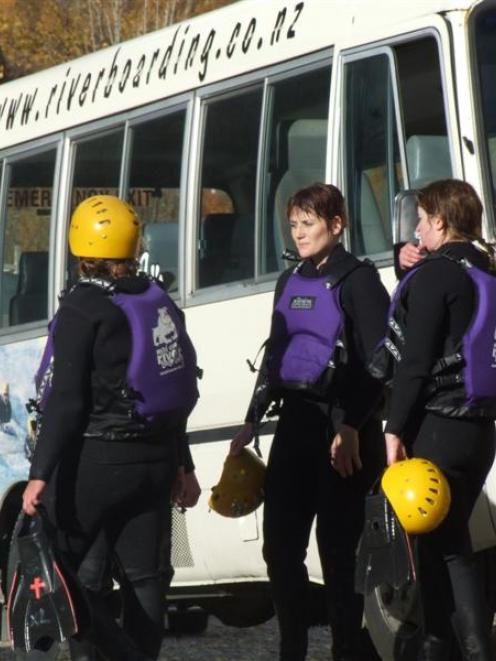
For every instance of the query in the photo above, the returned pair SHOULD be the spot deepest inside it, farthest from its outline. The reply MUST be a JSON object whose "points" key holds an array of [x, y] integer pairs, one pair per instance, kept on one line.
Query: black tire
{"points": [[393, 622], [192, 621], [245, 610], [52, 654]]}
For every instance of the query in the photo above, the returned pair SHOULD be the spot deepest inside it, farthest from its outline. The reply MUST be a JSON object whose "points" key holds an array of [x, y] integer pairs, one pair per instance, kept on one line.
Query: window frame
{"points": [[10, 158], [385, 256], [480, 137], [125, 121], [438, 28], [264, 77]]}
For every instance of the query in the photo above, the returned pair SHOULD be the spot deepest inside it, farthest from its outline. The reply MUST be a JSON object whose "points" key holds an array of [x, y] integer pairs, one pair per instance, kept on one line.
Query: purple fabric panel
{"points": [[399, 289], [162, 367], [479, 342], [305, 338], [43, 376]]}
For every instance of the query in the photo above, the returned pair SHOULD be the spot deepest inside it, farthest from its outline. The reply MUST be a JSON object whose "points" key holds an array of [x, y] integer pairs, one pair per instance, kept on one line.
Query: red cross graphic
{"points": [[36, 586]]}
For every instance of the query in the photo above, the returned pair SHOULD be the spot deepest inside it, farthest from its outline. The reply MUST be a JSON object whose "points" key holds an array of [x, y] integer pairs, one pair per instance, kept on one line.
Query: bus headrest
{"points": [[307, 145], [428, 159]]}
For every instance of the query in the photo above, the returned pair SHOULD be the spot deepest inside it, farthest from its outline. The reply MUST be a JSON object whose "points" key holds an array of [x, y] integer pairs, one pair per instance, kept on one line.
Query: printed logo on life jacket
{"points": [[302, 302], [493, 361], [165, 338]]}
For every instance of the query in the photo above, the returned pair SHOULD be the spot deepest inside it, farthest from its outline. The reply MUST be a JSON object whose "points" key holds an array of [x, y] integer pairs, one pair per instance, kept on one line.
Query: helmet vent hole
{"points": [[104, 222], [431, 501], [432, 490], [422, 511]]}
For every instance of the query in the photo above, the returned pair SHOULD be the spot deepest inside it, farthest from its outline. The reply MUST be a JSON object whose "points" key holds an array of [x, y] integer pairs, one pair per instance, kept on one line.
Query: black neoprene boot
{"points": [[110, 640], [83, 650], [434, 649], [474, 640]]}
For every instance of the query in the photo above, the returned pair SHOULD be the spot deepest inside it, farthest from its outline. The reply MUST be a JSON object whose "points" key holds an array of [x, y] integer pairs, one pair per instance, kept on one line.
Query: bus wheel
{"points": [[192, 621], [393, 619], [247, 610]]}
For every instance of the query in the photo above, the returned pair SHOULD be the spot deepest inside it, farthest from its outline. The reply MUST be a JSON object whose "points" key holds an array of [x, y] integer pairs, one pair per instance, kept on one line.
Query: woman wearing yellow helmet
{"points": [[116, 385], [441, 411]]}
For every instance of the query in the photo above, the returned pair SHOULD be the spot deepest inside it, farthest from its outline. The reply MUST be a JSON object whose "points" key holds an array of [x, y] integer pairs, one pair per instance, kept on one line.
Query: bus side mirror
{"points": [[405, 216]]}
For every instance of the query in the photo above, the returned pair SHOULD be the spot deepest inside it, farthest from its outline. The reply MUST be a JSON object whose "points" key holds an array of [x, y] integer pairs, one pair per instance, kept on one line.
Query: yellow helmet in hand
{"points": [[240, 488], [419, 494], [104, 227]]}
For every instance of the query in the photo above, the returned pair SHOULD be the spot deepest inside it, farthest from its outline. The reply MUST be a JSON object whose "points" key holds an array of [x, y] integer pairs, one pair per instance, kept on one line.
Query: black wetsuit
{"points": [[301, 484], [108, 472], [440, 303]]}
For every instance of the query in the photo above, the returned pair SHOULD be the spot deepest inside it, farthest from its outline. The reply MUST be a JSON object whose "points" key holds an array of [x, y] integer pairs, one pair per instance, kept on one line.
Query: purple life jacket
{"points": [[463, 382], [479, 342], [162, 370], [44, 373], [306, 332]]}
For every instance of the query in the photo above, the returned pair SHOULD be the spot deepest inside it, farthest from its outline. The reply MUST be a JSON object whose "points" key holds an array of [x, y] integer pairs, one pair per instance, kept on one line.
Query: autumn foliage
{"points": [[35, 34]]}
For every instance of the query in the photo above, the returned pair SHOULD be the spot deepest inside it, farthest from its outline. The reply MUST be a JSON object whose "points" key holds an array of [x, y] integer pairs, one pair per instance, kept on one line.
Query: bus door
{"points": [[398, 131]]}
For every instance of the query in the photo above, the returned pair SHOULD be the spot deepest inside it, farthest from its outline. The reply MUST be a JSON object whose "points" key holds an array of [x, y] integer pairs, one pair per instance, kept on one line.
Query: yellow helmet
{"points": [[105, 227], [240, 488], [419, 494]]}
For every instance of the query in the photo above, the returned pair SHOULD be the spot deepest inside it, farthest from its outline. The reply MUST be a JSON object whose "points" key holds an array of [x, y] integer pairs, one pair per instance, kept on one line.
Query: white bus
{"points": [[207, 126]]}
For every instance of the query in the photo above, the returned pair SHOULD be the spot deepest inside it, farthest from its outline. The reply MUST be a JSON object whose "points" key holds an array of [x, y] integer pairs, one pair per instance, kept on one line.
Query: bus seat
{"points": [[160, 241], [242, 253], [9, 290], [373, 233], [30, 301], [428, 159], [216, 232], [491, 145], [306, 165]]}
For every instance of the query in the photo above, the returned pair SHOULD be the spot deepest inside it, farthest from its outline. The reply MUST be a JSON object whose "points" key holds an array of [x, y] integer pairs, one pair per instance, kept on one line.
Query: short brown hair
{"points": [[92, 267], [324, 200], [456, 203]]}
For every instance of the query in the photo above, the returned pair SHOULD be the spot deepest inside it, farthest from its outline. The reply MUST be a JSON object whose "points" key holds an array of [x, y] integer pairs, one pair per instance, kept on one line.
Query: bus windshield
{"points": [[484, 43]]}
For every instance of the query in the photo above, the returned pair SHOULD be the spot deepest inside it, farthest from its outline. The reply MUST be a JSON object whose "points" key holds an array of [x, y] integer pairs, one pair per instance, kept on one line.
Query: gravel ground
{"points": [[221, 643]]}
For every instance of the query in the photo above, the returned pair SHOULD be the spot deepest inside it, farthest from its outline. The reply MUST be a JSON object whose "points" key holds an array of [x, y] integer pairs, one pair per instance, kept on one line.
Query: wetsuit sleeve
{"points": [[428, 297], [64, 417], [365, 302], [183, 450], [262, 397]]}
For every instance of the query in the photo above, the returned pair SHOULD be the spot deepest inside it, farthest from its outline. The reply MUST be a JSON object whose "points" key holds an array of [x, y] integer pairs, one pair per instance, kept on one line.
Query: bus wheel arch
{"points": [[10, 508]]}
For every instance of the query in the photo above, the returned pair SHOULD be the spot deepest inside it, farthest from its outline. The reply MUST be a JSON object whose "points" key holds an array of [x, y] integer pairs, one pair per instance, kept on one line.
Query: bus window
{"points": [[424, 124], [97, 167], [371, 154], [483, 35], [296, 147], [226, 246], [24, 273], [154, 185], [373, 170]]}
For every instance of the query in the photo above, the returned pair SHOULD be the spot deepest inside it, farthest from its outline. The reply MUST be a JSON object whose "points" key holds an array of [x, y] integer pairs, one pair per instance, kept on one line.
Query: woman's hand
{"points": [[345, 451], [31, 497], [242, 438], [395, 450], [186, 490], [409, 255]]}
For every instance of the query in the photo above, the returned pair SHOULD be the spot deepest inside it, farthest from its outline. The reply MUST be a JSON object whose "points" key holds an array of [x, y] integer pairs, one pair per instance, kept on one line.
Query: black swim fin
{"points": [[385, 553], [40, 608]]}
